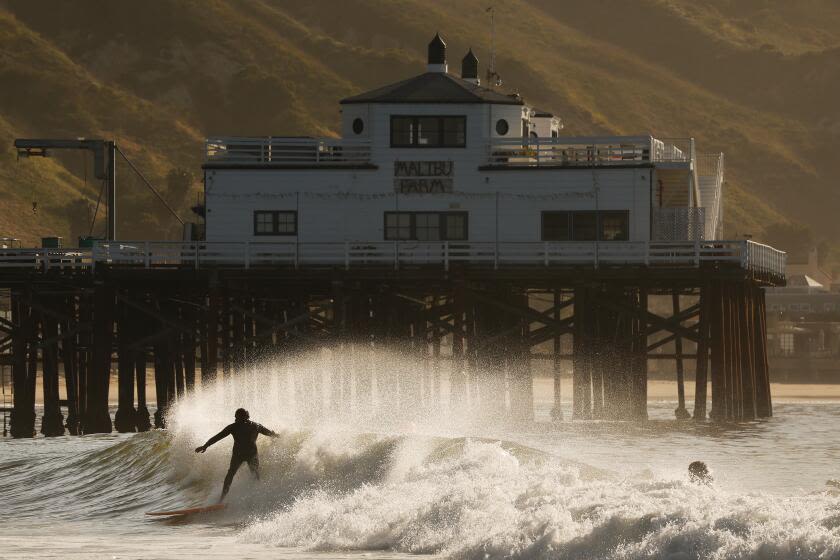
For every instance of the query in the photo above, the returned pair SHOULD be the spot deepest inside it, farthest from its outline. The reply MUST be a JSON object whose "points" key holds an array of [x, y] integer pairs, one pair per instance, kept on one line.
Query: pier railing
{"points": [[588, 151], [286, 151], [748, 255], [46, 259]]}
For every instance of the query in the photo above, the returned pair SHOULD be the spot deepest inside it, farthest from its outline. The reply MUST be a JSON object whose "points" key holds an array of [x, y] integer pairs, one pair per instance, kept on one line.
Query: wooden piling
{"points": [[581, 373], [681, 412], [52, 423], [557, 364], [125, 419], [702, 358], [96, 418], [69, 356]]}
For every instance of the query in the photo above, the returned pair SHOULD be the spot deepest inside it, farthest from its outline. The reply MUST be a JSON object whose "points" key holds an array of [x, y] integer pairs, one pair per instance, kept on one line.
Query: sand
{"points": [[543, 390]]}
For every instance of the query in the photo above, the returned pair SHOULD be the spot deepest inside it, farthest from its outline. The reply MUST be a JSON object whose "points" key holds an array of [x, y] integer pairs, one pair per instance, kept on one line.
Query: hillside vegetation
{"points": [[757, 79]]}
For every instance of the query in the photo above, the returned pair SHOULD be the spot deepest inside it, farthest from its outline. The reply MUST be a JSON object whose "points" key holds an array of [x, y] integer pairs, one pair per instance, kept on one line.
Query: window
{"points": [[554, 134], [428, 132], [612, 225], [425, 226], [502, 127], [555, 226], [584, 226], [275, 222], [397, 225], [358, 126], [456, 226]]}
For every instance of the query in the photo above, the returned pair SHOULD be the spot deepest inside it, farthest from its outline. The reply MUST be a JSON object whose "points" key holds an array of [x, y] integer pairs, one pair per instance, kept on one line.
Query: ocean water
{"points": [[400, 477]]}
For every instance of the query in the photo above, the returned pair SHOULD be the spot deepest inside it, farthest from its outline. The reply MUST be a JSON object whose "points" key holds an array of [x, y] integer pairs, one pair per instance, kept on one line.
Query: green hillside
{"points": [[754, 78]]}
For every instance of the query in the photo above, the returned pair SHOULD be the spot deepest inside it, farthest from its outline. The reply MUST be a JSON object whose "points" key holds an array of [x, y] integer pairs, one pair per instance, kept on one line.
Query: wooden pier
{"points": [[193, 312]]}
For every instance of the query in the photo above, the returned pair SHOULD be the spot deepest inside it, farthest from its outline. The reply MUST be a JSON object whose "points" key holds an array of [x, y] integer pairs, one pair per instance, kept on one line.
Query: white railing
{"points": [[748, 255], [45, 259], [401, 254], [286, 151], [587, 151], [764, 259]]}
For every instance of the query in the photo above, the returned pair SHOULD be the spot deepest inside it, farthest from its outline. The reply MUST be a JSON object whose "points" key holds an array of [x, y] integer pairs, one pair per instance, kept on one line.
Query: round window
{"points": [[502, 127], [358, 126]]}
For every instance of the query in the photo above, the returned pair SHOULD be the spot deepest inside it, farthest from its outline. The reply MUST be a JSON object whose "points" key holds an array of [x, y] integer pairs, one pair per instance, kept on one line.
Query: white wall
{"points": [[341, 205]]}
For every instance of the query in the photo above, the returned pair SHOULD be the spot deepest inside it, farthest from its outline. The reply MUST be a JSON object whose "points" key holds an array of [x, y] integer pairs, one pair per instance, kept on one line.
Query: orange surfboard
{"points": [[189, 511]]}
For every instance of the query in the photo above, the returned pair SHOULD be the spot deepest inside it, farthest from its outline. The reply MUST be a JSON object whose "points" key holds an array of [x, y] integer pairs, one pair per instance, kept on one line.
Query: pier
{"points": [[192, 312]]}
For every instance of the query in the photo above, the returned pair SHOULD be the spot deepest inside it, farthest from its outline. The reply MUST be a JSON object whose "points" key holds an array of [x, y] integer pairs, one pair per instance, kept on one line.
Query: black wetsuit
{"points": [[244, 448]]}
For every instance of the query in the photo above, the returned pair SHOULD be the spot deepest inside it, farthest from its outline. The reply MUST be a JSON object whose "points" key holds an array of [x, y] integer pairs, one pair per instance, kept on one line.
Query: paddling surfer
{"points": [[699, 473], [244, 434]]}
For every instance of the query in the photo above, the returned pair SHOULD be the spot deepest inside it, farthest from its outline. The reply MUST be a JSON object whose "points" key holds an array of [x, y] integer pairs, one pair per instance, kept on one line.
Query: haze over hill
{"points": [[757, 79]]}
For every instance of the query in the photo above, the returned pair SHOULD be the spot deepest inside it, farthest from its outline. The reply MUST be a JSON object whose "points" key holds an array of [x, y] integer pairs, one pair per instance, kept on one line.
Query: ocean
{"points": [[398, 479]]}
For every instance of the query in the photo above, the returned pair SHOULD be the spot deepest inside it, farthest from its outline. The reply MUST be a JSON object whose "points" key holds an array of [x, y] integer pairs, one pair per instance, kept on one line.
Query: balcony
{"points": [[589, 151], [286, 152]]}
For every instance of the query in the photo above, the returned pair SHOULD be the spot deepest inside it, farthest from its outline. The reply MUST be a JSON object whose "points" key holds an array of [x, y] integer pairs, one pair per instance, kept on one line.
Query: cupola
{"points": [[469, 68], [437, 55]]}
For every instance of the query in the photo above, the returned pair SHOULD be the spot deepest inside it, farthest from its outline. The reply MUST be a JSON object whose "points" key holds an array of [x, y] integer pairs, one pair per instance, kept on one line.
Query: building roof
{"points": [[803, 280], [434, 87], [542, 113]]}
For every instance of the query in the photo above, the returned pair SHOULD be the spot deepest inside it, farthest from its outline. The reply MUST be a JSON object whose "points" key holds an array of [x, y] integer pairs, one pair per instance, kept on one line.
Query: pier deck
{"points": [[598, 310]]}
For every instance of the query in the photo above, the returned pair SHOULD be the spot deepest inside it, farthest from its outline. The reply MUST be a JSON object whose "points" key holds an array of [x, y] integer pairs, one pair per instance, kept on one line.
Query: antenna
{"points": [[493, 78]]}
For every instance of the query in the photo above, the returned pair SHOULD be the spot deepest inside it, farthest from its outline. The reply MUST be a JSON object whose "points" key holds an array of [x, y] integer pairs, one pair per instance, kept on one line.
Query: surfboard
{"points": [[189, 511]]}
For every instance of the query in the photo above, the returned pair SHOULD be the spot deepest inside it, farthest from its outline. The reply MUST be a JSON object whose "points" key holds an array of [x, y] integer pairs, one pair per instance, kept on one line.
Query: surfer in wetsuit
{"points": [[699, 473], [244, 434]]}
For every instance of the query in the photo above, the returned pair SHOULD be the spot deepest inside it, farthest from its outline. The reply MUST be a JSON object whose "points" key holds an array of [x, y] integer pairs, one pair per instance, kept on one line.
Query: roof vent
{"points": [[469, 68], [437, 55]]}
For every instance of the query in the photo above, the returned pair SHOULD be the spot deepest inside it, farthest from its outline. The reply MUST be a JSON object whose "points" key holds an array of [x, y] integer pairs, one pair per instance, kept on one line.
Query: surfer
{"points": [[244, 434], [698, 472]]}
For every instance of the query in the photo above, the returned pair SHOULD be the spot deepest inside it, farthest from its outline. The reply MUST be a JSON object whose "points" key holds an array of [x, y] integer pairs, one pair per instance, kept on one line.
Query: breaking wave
{"points": [[415, 487]]}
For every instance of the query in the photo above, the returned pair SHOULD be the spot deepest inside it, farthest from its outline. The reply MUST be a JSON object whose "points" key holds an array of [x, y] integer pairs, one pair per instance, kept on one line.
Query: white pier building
{"points": [[441, 158]]}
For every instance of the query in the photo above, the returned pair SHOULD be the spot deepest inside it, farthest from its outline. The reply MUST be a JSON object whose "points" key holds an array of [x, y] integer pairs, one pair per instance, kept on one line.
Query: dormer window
{"points": [[428, 132]]}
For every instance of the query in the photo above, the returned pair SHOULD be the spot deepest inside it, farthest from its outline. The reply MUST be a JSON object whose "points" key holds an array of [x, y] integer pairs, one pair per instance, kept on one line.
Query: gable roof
{"points": [[434, 87]]}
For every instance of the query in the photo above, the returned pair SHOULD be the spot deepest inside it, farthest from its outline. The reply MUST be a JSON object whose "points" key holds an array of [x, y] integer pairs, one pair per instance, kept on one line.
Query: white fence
{"points": [[403, 254], [287, 151], [45, 259], [606, 150], [587, 151]]}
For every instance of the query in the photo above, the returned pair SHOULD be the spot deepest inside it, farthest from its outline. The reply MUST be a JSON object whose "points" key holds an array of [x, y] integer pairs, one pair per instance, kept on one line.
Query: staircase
{"points": [[673, 188], [710, 182]]}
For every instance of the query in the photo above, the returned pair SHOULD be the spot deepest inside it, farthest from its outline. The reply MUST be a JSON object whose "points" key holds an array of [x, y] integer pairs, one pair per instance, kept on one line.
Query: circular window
{"points": [[358, 126], [502, 127]]}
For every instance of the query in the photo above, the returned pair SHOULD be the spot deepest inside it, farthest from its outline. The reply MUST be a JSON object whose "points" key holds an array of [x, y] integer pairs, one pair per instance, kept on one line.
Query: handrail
{"points": [[751, 256], [588, 151], [286, 151]]}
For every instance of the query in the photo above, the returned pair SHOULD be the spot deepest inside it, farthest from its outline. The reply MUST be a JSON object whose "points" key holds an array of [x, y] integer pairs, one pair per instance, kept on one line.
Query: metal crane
{"points": [[104, 164]]}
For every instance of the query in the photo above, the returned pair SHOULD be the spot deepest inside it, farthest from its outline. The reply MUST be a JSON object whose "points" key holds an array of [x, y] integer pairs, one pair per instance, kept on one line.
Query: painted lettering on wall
{"points": [[423, 177]]}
